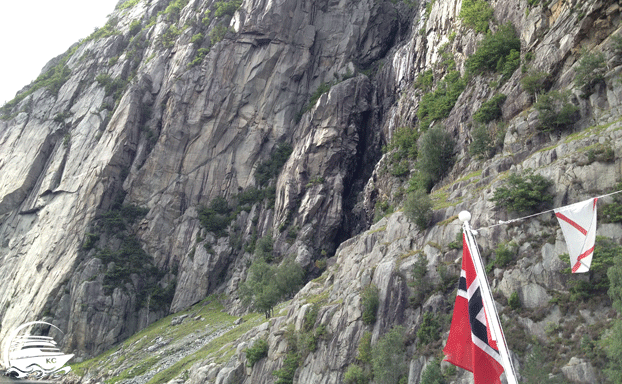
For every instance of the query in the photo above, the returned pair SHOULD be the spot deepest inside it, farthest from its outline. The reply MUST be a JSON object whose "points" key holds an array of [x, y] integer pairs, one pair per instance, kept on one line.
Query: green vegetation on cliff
{"points": [[490, 109], [524, 193], [556, 112], [226, 8], [267, 284], [436, 105], [269, 169], [209, 323], [476, 14], [495, 51], [127, 4], [52, 80]]}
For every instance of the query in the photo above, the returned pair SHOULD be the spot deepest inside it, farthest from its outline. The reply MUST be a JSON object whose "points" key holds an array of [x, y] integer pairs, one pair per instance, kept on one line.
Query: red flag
{"points": [[470, 345]]}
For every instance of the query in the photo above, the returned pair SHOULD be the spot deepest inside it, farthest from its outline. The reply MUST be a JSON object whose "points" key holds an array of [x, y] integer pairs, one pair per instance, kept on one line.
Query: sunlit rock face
{"points": [[109, 159]]}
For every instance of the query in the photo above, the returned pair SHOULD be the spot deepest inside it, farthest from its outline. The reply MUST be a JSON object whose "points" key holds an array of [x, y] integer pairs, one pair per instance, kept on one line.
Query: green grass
{"points": [[590, 131], [440, 199], [469, 176], [210, 349], [80, 369], [448, 220], [207, 314], [320, 279], [137, 370], [408, 254], [589, 147], [320, 298], [594, 130], [379, 229], [548, 148], [281, 309]]}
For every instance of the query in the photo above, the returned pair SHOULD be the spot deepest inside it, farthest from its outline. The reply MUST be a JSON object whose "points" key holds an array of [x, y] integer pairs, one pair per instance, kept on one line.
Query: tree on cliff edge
{"points": [[267, 284]]}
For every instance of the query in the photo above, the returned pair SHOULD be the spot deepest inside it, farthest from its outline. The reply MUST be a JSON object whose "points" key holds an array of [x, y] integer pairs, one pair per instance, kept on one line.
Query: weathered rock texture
{"points": [[136, 117], [171, 106]]}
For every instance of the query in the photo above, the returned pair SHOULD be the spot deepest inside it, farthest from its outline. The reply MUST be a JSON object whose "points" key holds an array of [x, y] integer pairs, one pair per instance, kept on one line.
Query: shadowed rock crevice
{"points": [[170, 107]]}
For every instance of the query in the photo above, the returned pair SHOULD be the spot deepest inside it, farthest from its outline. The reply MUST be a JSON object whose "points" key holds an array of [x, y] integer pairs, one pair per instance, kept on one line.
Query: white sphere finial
{"points": [[464, 216]]}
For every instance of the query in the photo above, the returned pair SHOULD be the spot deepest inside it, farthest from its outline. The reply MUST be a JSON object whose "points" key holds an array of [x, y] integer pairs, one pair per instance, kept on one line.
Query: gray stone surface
{"points": [[178, 135]]}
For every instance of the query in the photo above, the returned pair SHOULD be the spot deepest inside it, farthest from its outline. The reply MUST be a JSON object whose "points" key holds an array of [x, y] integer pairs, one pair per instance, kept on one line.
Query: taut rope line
{"points": [[502, 222]]}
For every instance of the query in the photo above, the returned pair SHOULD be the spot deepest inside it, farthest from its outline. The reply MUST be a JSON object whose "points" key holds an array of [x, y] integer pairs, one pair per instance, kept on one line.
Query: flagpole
{"points": [[488, 301]]}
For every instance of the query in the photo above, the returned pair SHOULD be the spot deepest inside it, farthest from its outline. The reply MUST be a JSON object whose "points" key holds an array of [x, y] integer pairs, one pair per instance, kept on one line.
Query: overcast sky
{"points": [[34, 31]]}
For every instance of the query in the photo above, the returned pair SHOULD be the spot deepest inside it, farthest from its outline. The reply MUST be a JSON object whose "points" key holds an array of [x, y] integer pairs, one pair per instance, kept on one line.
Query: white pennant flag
{"points": [[578, 222]]}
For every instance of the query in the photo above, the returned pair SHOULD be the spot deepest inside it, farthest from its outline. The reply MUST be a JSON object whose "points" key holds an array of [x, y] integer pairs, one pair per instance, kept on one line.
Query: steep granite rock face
{"points": [[165, 108], [387, 256], [110, 159], [319, 174]]}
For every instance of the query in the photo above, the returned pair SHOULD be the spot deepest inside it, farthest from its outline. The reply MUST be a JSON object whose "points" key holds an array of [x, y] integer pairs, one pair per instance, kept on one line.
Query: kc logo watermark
{"points": [[32, 351]]}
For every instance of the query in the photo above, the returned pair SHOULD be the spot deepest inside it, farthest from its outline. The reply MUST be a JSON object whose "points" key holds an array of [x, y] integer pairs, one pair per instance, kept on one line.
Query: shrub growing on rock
{"points": [[286, 374], [514, 301], [370, 302], [616, 45], [403, 144], [482, 144], [197, 38], [266, 284], [590, 71], [288, 278], [53, 79], [226, 8], [601, 152], [494, 50], [476, 14], [418, 208], [424, 80], [218, 33], [430, 329], [135, 27], [432, 373], [612, 212], [436, 153], [614, 275], [556, 113], [270, 168], [613, 348], [524, 193], [127, 4], [169, 36], [421, 286], [388, 361], [534, 82], [364, 350], [355, 375], [508, 64], [490, 110], [437, 105], [256, 352], [217, 216], [504, 255], [174, 8], [613, 342]]}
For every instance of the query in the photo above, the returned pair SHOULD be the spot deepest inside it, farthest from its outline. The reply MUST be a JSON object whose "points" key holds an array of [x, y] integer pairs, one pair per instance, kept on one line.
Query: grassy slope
{"points": [[169, 351]]}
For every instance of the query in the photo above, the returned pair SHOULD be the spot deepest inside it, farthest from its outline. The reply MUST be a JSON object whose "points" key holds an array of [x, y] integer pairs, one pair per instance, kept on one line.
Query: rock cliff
{"points": [[121, 161]]}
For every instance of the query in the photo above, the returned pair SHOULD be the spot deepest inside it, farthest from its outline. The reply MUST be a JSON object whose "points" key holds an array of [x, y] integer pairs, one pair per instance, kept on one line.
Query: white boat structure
{"points": [[28, 355]]}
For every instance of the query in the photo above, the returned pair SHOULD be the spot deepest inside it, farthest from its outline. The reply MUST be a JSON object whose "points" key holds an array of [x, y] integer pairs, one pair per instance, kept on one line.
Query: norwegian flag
{"points": [[578, 222], [470, 345]]}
